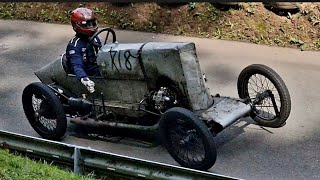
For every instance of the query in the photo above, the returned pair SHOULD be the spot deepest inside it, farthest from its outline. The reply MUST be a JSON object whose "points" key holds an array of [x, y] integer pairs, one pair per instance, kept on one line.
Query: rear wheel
{"points": [[44, 111], [187, 139], [265, 89]]}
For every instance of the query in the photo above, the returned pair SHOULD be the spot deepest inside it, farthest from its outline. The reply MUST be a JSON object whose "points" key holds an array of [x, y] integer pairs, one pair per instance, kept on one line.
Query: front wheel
{"points": [[270, 98], [44, 111], [187, 139]]}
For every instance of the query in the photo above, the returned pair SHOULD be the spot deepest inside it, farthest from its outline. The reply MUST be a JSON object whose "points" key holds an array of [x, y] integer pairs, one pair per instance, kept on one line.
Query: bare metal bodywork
{"points": [[124, 84]]}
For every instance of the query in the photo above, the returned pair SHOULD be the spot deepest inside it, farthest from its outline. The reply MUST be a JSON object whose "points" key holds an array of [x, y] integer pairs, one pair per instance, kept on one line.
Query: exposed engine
{"points": [[163, 99]]}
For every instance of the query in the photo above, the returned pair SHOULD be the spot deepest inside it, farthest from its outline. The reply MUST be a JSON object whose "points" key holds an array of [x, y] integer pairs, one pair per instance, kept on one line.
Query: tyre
{"points": [[256, 79], [44, 111], [187, 139]]}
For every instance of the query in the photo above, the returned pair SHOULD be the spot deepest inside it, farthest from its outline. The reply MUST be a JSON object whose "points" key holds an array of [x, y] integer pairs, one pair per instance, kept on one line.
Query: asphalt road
{"points": [[245, 150]]}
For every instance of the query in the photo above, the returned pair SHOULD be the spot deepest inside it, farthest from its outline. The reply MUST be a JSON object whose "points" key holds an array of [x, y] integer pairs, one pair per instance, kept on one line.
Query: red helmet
{"points": [[84, 21]]}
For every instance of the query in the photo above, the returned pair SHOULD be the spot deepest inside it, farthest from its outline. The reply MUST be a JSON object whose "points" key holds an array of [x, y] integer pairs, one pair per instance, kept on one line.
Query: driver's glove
{"points": [[88, 83]]}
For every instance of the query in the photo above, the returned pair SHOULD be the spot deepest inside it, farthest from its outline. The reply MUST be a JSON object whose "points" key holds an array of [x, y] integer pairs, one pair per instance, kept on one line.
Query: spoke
{"points": [[194, 137], [201, 155], [176, 138], [254, 83], [257, 79], [193, 156], [49, 124], [252, 88], [195, 147], [186, 155], [269, 111], [192, 150], [179, 151], [176, 143], [266, 82], [259, 87], [266, 110], [262, 82], [259, 83], [249, 85]]}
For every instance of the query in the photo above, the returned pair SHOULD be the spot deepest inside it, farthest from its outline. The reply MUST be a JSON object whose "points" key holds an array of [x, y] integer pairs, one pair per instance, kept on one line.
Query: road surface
{"points": [[245, 150]]}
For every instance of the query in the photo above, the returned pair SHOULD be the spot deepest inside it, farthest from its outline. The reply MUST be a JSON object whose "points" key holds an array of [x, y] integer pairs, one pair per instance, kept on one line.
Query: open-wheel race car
{"points": [[154, 87]]}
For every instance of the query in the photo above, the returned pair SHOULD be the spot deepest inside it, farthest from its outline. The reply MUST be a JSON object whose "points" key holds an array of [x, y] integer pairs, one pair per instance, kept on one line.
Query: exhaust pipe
{"points": [[93, 123]]}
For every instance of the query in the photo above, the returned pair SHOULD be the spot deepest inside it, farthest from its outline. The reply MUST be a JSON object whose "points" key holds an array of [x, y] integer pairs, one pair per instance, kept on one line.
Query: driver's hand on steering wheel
{"points": [[88, 83]]}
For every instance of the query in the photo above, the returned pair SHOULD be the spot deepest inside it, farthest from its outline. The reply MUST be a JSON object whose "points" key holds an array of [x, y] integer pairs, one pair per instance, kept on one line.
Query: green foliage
{"points": [[261, 27], [217, 34], [249, 22], [6, 10], [249, 8], [18, 168], [180, 31], [313, 19], [295, 41], [317, 44], [192, 6], [120, 19], [210, 15]]}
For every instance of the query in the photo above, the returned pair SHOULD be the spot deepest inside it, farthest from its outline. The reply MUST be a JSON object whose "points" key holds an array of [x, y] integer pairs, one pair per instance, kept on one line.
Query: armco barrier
{"points": [[82, 157]]}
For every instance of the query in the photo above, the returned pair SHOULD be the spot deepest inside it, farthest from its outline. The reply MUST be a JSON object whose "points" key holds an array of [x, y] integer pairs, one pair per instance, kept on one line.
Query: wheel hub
{"points": [[188, 138], [261, 96], [45, 111]]}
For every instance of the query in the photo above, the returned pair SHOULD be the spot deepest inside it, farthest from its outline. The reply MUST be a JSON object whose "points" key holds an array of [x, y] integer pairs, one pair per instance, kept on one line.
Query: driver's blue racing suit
{"points": [[82, 59]]}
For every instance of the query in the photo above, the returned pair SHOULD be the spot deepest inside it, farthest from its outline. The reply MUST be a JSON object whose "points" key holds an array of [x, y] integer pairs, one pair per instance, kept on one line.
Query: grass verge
{"points": [[14, 167]]}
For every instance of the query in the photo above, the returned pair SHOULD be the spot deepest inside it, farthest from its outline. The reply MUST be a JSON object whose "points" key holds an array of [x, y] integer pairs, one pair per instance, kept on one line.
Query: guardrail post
{"points": [[76, 161], [100, 161]]}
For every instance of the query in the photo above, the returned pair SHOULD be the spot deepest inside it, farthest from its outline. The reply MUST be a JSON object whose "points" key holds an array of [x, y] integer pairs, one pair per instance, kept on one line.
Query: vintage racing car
{"points": [[154, 87]]}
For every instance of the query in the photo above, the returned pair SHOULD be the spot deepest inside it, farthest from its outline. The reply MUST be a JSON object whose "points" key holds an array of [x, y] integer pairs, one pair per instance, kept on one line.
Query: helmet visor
{"points": [[89, 24]]}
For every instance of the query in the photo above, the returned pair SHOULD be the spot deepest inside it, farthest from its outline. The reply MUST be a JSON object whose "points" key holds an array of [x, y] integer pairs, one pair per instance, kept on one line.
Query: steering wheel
{"points": [[114, 38]]}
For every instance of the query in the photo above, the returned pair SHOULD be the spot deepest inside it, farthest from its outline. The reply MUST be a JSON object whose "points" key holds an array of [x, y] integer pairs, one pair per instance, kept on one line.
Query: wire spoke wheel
{"points": [[190, 146], [268, 94], [44, 111], [258, 84], [187, 139]]}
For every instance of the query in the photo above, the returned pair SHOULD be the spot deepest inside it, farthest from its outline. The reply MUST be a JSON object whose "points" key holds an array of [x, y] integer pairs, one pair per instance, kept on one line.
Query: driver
{"points": [[81, 55]]}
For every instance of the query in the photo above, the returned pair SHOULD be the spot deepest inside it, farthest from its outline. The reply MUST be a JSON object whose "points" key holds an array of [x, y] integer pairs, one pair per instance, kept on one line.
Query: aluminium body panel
{"points": [[177, 61], [226, 110], [124, 77]]}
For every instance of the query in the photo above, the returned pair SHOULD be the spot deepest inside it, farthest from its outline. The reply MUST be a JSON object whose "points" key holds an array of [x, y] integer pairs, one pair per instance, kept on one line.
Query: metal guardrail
{"points": [[82, 157]]}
